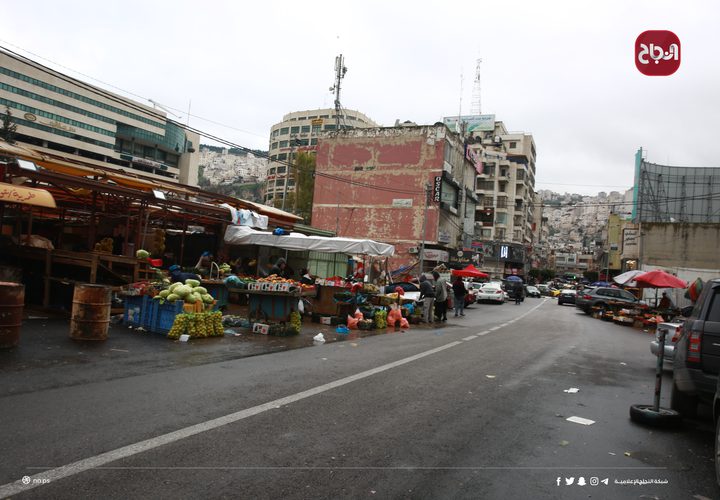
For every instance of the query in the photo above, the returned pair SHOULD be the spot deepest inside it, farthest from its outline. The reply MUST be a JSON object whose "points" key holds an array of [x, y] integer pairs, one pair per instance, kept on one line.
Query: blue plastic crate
{"points": [[137, 311], [220, 293], [163, 315]]}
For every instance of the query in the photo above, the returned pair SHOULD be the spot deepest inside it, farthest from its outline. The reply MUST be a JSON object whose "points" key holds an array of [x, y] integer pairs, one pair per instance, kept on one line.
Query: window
{"points": [[305, 129], [501, 218], [313, 142], [284, 131], [312, 117], [282, 157], [449, 195], [276, 132], [281, 170], [513, 144], [274, 145], [329, 127], [714, 313], [324, 116], [284, 144], [485, 185], [294, 130]]}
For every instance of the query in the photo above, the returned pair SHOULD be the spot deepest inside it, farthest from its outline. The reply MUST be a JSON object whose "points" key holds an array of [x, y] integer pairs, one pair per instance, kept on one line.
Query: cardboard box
{"points": [[261, 328], [282, 287], [254, 286]]}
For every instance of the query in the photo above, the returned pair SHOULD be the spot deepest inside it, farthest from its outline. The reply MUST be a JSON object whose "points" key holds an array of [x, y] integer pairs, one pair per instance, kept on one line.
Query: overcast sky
{"points": [[562, 71]]}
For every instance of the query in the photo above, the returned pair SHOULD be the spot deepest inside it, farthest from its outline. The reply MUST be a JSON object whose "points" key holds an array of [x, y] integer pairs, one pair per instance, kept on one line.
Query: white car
{"points": [[491, 292]]}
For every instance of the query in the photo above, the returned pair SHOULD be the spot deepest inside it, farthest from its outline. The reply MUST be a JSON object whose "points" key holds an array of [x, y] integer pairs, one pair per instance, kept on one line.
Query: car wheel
{"points": [[646, 414], [683, 403]]}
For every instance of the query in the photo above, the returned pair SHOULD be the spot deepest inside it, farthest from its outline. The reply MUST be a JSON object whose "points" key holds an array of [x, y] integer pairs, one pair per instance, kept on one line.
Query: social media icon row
{"points": [[570, 481]]}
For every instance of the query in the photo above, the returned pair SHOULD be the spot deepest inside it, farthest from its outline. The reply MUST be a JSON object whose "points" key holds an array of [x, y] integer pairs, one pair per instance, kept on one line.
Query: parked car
{"points": [[471, 296], [566, 297], [532, 291], [600, 296], [544, 289], [696, 358], [672, 334], [491, 292]]}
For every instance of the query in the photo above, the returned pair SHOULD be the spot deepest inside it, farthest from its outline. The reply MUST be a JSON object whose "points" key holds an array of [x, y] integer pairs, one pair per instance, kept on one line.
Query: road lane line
{"points": [[483, 333], [470, 337], [86, 464]]}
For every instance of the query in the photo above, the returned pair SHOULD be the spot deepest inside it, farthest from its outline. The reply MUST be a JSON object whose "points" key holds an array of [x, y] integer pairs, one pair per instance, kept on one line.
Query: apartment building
{"points": [[300, 131], [59, 115]]}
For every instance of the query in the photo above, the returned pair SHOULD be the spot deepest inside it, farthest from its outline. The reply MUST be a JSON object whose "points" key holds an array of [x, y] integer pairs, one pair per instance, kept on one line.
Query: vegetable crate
{"points": [[138, 311], [163, 315]]}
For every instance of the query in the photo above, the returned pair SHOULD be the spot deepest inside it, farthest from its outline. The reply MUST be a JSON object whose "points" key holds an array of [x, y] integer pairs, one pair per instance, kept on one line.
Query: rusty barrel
{"points": [[12, 300], [90, 312]]}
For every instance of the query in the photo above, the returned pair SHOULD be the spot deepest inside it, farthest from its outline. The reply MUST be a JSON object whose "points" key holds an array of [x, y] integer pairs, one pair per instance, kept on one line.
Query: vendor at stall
{"points": [[280, 268], [306, 278], [665, 302], [204, 263], [178, 276]]}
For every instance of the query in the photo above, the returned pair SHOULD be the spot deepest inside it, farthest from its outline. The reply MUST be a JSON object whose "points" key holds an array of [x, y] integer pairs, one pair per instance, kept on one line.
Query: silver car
{"points": [[673, 331]]}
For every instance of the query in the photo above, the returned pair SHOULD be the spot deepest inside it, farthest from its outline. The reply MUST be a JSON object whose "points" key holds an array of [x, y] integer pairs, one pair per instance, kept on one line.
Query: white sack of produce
{"points": [[319, 338]]}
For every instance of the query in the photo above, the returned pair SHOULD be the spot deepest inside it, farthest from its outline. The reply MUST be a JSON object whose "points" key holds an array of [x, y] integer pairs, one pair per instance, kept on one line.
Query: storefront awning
{"points": [[243, 235], [11, 193]]}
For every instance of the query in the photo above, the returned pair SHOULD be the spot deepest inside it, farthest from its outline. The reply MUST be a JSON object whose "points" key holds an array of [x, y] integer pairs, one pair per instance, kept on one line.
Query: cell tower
{"points": [[475, 108], [340, 70]]}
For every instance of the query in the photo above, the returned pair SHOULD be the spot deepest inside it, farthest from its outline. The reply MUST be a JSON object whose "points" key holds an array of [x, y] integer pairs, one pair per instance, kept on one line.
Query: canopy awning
{"points": [[11, 193], [243, 235], [469, 272]]}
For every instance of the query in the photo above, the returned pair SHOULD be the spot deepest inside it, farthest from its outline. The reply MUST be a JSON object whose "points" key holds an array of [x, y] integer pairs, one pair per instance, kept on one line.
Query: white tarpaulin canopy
{"points": [[243, 235]]}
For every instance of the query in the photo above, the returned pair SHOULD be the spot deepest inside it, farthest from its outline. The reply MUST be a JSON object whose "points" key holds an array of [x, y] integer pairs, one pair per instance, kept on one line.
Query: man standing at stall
{"points": [[441, 296], [428, 295]]}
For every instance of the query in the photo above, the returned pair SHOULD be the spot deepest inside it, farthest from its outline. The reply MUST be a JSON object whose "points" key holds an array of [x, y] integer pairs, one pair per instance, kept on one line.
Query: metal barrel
{"points": [[90, 312], [12, 301]]}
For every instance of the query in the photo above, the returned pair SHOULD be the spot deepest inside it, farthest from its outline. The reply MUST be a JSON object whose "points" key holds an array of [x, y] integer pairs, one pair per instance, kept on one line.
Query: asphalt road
{"points": [[475, 409]]}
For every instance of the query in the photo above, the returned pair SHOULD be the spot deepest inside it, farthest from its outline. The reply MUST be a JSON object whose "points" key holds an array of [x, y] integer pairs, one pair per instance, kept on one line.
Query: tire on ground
{"points": [[664, 417]]}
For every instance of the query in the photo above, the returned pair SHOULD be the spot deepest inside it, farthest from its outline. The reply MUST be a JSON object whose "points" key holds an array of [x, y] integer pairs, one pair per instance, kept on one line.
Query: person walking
{"points": [[428, 295], [459, 291], [441, 297]]}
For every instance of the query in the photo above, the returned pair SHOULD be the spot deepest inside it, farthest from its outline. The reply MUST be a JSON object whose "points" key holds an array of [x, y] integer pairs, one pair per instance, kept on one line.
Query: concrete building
{"points": [[62, 116], [300, 131], [505, 187], [373, 183]]}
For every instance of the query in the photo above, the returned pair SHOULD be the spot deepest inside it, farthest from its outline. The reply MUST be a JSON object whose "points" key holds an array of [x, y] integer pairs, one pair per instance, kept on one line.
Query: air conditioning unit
{"points": [[413, 250]]}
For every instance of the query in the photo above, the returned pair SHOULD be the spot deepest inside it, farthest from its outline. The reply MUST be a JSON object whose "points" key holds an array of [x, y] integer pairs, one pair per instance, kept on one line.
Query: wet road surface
{"points": [[475, 409]]}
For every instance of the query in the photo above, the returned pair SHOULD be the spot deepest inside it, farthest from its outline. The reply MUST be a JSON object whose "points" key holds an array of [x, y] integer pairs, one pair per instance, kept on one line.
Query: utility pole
{"points": [[424, 227], [293, 143]]}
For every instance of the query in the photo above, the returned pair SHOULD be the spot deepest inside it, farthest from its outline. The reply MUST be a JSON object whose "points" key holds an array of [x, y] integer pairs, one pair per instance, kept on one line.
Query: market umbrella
{"points": [[659, 279], [513, 278], [628, 277], [599, 283], [469, 272]]}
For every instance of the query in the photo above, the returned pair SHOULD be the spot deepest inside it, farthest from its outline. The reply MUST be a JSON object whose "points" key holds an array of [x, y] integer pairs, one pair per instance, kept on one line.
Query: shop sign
{"points": [[504, 252], [630, 243], [443, 236], [317, 122], [436, 255], [402, 203], [437, 188]]}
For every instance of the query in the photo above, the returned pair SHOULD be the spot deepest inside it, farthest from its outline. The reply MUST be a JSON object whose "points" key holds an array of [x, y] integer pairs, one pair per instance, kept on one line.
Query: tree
{"points": [[591, 276], [9, 127], [304, 175], [546, 275]]}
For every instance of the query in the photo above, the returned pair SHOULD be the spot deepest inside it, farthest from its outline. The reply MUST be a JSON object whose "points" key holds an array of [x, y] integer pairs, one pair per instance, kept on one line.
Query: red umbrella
{"points": [[469, 272], [659, 279]]}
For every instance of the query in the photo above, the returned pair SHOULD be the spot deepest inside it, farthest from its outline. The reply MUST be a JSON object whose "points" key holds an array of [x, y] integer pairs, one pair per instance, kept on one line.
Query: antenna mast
{"points": [[476, 109], [340, 70]]}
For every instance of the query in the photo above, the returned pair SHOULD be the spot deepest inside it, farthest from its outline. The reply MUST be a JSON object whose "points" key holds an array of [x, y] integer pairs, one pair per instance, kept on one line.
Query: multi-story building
{"points": [[59, 115], [300, 131], [410, 186], [505, 188]]}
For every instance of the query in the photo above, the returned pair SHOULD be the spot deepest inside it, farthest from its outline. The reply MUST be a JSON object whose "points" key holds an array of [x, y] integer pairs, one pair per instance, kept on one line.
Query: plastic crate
{"points": [[138, 311], [163, 315], [220, 294]]}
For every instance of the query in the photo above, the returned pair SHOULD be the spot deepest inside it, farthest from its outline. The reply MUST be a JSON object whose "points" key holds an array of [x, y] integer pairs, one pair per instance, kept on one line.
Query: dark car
{"points": [[600, 296], [532, 291], [696, 360], [407, 287], [566, 297]]}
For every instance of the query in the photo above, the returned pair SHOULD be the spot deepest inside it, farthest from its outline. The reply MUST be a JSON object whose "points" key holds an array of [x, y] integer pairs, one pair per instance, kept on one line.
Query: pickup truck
{"points": [[696, 361]]}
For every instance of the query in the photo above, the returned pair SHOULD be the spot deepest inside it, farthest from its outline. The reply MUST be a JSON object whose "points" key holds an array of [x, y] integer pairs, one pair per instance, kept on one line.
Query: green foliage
{"points": [[9, 127], [302, 199], [546, 275]]}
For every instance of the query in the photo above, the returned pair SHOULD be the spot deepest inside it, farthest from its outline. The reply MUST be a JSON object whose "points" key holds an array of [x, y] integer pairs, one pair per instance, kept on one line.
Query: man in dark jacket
{"points": [[427, 293]]}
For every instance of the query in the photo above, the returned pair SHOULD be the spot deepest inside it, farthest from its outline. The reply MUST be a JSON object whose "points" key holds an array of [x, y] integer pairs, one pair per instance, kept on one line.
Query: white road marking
{"points": [[483, 333], [86, 464], [470, 337]]}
